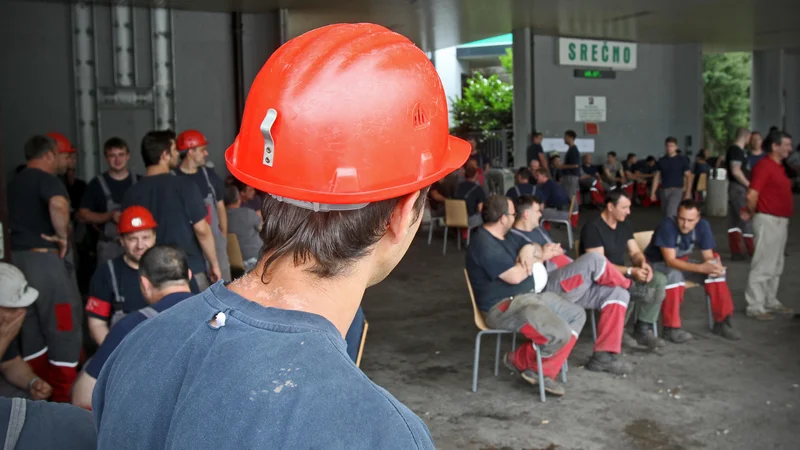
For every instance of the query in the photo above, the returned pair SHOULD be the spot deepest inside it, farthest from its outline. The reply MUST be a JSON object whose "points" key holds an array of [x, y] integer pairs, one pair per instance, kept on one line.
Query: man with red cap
{"points": [[345, 127], [50, 340], [114, 290], [193, 147]]}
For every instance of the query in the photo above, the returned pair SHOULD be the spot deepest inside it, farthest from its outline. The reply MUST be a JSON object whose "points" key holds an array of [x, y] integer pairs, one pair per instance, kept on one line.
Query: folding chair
{"points": [[484, 329], [363, 341], [235, 256], [455, 216], [568, 222], [702, 186], [427, 218]]}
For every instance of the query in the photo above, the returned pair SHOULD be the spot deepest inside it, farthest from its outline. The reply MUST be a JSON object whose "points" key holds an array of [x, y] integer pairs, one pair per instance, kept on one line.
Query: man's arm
{"points": [[20, 374], [688, 178], [737, 174], [98, 329], [436, 195], [671, 260], [654, 187], [206, 239], [752, 203], [222, 213], [544, 162], [82, 390], [59, 218]]}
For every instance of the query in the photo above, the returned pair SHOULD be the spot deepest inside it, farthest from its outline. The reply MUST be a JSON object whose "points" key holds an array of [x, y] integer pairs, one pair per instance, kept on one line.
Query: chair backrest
{"points": [[361, 345], [235, 252], [643, 238], [702, 182], [455, 213], [479, 322]]}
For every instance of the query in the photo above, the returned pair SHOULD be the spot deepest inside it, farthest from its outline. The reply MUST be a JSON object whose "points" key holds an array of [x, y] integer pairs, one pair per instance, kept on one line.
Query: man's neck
{"points": [[775, 157], [130, 262], [612, 223], [496, 230], [41, 165], [672, 154], [157, 169], [171, 290], [756, 151], [522, 226], [740, 144], [188, 166], [293, 288], [119, 174]]}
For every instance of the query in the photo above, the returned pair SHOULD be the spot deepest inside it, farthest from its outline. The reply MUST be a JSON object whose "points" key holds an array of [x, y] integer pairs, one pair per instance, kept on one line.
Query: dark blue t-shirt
{"points": [[552, 194], [472, 193], [124, 327], [573, 156], [645, 168], [753, 159], [672, 171], [200, 181], [487, 258], [29, 195], [668, 235], [176, 205], [538, 235], [268, 378], [521, 189], [102, 302], [590, 170], [95, 199]]}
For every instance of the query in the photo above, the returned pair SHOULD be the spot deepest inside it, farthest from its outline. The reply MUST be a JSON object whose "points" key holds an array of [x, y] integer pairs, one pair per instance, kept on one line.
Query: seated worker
{"points": [[613, 173], [589, 282], [436, 199], [511, 299], [534, 165], [553, 195], [555, 163], [523, 186], [645, 171], [673, 241], [473, 194], [246, 225], [612, 236], [590, 180], [114, 290], [164, 276], [629, 168]]}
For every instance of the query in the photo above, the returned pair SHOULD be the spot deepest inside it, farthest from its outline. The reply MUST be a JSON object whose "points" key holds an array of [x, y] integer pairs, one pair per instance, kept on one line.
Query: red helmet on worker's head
{"points": [[64, 145], [190, 139], [135, 218], [342, 116]]}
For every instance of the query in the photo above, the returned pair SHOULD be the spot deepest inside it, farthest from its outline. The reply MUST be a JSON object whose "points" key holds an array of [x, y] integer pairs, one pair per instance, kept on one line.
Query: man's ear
{"points": [[145, 285], [190, 275], [403, 217]]}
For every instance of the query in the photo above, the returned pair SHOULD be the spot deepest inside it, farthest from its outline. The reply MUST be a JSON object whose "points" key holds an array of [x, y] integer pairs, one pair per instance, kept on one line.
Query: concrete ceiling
{"points": [[721, 25]]}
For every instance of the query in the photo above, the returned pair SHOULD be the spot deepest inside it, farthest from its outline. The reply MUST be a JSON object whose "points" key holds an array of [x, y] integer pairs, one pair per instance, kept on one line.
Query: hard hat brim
{"points": [[457, 154]]}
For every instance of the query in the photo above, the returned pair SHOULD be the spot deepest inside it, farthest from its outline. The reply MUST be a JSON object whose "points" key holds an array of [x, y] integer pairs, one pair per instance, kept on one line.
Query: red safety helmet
{"points": [[190, 139], [135, 218], [342, 116], [64, 145]]}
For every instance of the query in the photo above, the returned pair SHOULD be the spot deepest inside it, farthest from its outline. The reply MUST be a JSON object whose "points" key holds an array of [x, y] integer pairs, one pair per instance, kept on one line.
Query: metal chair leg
{"points": [[497, 357], [569, 234], [458, 232], [564, 373], [594, 327], [710, 313], [469, 232], [513, 341], [430, 231], [444, 250], [475, 362], [541, 374]]}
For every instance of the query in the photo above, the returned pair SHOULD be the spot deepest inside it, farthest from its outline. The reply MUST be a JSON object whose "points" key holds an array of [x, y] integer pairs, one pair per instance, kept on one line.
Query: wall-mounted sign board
{"points": [[594, 74], [591, 53], [589, 108], [558, 145]]}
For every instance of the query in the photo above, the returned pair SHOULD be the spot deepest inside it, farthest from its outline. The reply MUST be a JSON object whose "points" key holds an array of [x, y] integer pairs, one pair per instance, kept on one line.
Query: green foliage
{"points": [[726, 97], [486, 103], [507, 61]]}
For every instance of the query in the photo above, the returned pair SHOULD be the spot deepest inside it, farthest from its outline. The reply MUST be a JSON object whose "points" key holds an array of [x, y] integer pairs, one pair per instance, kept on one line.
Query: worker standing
{"points": [[770, 204], [177, 206], [740, 231], [100, 205], [38, 208], [571, 169], [193, 147], [673, 173], [344, 127]]}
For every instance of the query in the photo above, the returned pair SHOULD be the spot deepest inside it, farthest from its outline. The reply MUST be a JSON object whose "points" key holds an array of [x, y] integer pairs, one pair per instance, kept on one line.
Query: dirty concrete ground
{"points": [[725, 395]]}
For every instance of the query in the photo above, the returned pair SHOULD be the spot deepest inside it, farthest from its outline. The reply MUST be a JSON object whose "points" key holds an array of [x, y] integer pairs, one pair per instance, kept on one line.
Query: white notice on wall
{"points": [[558, 145], [590, 109]]}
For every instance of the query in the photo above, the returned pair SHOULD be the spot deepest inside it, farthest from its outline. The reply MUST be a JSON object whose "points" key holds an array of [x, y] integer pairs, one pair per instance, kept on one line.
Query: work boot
{"points": [[644, 335], [629, 341], [609, 362], [508, 361], [676, 335], [725, 329], [759, 315], [780, 310], [551, 386]]}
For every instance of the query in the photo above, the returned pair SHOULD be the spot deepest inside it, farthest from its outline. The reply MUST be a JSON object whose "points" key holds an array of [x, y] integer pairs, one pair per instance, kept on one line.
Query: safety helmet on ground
{"points": [[342, 116], [135, 218], [190, 139], [64, 145], [14, 289]]}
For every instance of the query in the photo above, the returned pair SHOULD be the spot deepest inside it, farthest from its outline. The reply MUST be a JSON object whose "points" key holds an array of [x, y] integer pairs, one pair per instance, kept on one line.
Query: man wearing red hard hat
{"points": [[194, 153], [114, 290], [345, 127]]}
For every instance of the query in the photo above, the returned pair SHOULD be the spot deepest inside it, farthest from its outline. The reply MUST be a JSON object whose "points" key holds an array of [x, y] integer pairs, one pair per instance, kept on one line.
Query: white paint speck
{"points": [[278, 389], [252, 399]]}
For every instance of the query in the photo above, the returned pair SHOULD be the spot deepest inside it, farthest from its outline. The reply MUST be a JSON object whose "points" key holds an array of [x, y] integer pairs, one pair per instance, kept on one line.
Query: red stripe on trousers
{"points": [[610, 328], [612, 277], [735, 242], [525, 358], [671, 308]]}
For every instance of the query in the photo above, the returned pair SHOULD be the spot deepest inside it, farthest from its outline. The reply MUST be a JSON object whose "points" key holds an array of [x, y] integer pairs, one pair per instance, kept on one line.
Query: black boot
{"points": [[644, 335]]}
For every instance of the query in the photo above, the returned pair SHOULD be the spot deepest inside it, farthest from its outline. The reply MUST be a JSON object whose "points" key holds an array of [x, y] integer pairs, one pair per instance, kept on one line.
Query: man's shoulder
{"points": [[667, 225]]}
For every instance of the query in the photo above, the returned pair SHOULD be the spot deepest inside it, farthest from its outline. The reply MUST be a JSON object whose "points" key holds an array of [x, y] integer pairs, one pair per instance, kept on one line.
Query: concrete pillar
{"points": [[524, 111], [767, 96], [791, 78], [450, 70], [687, 118]]}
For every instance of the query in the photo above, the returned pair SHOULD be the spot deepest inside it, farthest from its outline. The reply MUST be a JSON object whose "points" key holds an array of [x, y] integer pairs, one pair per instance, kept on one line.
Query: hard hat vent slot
{"points": [[420, 117]]}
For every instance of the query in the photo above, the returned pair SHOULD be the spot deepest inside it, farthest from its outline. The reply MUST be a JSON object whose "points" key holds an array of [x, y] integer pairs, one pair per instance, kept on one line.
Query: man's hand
{"points": [[215, 273], [687, 195], [10, 322], [649, 270], [653, 198], [551, 251], [115, 216], [641, 275], [40, 390], [746, 214], [63, 244], [712, 268]]}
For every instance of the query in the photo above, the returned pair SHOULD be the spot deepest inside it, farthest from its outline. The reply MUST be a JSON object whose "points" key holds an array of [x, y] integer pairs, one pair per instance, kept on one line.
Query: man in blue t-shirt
{"points": [[673, 174], [553, 196], [523, 185], [473, 194], [570, 169], [164, 274], [177, 206], [669, 252], [499, 272]]}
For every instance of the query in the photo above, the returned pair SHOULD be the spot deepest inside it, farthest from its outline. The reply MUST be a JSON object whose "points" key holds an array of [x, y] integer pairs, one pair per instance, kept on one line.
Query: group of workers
{"points": [[264, 357]]}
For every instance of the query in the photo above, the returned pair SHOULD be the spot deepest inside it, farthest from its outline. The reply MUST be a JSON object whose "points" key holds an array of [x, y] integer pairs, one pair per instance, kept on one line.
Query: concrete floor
{"points": [[725, 395]]}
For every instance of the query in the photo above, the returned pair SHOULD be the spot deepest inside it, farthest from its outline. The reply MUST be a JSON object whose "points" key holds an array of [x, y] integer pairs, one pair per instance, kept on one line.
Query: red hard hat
{"points": [[342, 116], [190, 139], [135, 218], [64, 146]]}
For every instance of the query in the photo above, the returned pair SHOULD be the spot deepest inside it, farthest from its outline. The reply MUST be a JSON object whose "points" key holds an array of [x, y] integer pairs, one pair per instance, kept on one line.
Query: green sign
{"points": [[595, 74], [591, 53]]}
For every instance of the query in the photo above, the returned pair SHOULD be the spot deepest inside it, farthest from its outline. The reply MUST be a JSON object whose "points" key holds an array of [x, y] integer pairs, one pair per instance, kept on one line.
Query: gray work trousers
{"points": [[575, 282], [571, 184], [670, 200], [737, 199], [766, 266]]}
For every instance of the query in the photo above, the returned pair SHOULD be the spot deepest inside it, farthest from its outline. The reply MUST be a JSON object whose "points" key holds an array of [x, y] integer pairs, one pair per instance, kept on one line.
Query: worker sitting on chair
{"points": [[611, 235], [672, 243], [511, 299], [590, 180], [553, 195], [590, 282], [473, 194], [523, 186]]}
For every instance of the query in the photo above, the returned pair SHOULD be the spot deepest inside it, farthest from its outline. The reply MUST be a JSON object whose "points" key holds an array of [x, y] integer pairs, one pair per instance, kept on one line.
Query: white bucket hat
{"points": [[14, 289]]}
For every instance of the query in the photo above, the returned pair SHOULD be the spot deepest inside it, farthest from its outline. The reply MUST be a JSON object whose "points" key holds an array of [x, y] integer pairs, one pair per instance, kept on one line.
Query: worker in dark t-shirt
{"points": [[739, 231], [535, 151], [473, 194], [570, 169], [673, 174]]}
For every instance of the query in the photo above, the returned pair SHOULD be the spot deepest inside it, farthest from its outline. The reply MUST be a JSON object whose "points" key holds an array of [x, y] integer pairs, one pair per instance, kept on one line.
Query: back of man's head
{"points": [[494, 208], [231, 195], [742, 134], [154, 144], [164, 267], [470, 172], [524, 174], [570, 134], [38, 146]]}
